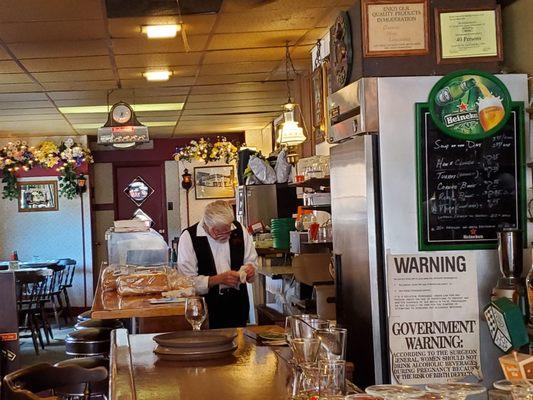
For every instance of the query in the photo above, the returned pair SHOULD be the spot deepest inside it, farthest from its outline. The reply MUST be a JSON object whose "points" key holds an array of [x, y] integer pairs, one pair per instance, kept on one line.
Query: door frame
{"points": [[140, 164]]}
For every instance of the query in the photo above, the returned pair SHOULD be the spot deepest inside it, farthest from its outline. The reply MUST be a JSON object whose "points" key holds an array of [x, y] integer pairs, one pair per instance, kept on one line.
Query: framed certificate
{"points": [[468, 35], [393, 28]]}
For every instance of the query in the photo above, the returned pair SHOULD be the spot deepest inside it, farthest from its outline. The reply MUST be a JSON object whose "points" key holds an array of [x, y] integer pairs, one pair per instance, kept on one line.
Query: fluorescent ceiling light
{"points": [[149, 124], [161, 31], [136, 108], [160, 75]]}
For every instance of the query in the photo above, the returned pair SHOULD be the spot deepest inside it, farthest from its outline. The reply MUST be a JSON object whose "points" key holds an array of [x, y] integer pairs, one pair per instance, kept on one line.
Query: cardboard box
{"points": [[517, 366]]}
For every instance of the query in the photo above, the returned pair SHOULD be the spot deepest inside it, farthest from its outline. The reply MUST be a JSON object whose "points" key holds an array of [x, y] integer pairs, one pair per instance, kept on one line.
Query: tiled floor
{"points": [[52, 353]]}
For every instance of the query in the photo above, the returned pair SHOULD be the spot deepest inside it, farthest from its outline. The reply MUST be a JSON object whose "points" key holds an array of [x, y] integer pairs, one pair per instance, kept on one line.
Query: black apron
{"points": [[227, 308]]}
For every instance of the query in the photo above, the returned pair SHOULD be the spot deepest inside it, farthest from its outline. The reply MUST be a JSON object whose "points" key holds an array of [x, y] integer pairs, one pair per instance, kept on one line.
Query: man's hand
{"points": [[229, 278], [250, 272]]}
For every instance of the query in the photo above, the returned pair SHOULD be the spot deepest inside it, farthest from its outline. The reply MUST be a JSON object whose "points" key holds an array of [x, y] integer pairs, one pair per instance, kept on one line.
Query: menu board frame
{"points": [[469, 58], [368, 52], [424, 244]]}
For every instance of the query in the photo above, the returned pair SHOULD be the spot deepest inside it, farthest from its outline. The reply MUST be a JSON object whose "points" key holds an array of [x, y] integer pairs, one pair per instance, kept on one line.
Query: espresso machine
{"points": [[511, 284]]}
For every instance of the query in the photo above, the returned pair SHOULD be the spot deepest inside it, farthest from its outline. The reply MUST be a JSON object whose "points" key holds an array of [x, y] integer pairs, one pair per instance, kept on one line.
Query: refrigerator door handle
{"points": [[337, 263]]}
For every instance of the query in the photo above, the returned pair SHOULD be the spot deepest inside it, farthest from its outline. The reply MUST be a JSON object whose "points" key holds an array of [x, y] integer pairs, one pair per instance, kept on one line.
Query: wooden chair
{"points": [[26, 383], [68, 278], [31, 287]]}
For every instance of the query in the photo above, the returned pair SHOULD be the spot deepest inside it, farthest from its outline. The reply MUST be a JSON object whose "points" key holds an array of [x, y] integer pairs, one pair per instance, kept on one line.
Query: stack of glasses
{"points": [[319, 357], [280, 229], [319, 361]]}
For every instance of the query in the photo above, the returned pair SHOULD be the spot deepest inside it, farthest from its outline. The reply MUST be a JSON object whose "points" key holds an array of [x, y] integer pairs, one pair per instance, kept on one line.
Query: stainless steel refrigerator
{"points": [[374, 211]]}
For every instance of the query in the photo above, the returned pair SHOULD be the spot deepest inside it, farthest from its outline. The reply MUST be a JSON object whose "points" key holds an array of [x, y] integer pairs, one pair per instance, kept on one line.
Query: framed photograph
{"points": [[394, 28], [468, 35], [214, 182], [38, 196]]}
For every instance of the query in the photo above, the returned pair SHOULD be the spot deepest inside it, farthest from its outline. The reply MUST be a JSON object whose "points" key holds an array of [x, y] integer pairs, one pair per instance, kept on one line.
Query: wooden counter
{"points": [[110, 305], [254, 372]]}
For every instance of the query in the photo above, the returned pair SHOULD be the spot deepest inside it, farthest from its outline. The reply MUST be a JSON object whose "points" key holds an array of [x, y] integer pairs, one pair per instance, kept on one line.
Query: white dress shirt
{"points": [[188, 263]]}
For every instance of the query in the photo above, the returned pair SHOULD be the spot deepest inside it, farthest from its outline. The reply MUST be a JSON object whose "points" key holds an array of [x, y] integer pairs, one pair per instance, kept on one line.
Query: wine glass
{"points": [[456, 390], [195, 311], [394, 392], [520, 389]]}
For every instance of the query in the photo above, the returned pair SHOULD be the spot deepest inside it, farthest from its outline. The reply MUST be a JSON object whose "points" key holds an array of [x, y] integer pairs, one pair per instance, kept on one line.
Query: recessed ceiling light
{"points": [[160, 75], [136, 108], [161, 31], [149, 124]]}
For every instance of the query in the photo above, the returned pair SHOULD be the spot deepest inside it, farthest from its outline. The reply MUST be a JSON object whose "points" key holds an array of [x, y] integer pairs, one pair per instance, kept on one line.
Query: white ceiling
{"points": [[56, 53]]}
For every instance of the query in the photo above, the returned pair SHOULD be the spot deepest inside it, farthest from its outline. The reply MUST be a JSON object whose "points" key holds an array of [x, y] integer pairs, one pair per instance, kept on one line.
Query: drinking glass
{"points": [[394, 392], [307, 382], [332, 343], [456, 390], [520, 389], [305, 350], [332, 379], [195, 311]]}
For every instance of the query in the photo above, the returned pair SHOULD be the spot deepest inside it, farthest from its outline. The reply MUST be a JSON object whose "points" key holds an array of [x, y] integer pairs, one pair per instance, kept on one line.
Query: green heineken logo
{"points": [[469, 105]]}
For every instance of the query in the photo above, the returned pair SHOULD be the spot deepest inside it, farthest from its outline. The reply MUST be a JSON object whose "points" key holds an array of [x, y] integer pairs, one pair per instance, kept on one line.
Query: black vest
{"points": [[231, 308], [204, 255]]}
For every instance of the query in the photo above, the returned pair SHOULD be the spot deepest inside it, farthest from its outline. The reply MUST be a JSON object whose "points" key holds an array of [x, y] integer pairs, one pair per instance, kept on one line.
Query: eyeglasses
{"points": [[218, 233]]}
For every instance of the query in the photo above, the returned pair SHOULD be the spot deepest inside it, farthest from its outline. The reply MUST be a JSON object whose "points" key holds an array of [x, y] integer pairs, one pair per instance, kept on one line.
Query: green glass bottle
{"points": [[454, 92]]}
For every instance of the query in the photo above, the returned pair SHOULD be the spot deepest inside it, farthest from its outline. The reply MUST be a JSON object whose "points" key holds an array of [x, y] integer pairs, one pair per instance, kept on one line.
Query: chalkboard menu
{"points": [[469, 190]]}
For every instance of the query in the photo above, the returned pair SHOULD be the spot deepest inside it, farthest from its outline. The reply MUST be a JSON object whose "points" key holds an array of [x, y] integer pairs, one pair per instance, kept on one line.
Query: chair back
{"points": [[58, 272], [68, 275], [25, 383], [31, 288]]}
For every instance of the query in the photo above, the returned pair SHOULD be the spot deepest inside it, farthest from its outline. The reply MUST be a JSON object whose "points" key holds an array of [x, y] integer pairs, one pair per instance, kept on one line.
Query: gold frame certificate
{"points": [[469, 34], [393, 28]]}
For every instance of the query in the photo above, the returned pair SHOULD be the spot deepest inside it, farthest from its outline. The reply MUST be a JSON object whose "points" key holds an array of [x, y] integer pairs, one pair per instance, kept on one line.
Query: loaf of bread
{"points": [[142, 283]]}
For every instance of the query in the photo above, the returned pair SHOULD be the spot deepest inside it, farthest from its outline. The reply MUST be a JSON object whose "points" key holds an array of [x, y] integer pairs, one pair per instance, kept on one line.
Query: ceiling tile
{"points": [[86, 85], [238, 88], [283, 6], [22, 97], [216, 105], [14, 78], [50, 10], [278, 20], [67, 64], [30, 111], [243, 67], [25, 104], [157, 60], [60, 49], [254, 39], [52, 31], [234, 78], [244, 55], [74, 76], [272, 97], [9, 67]]}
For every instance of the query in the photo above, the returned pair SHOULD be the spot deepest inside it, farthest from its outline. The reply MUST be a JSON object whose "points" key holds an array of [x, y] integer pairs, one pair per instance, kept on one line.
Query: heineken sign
{"points": [[469, 105]]}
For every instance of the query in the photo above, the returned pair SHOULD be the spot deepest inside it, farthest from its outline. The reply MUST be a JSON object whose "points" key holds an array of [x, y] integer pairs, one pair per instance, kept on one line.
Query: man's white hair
{"points": [[218, 213]]}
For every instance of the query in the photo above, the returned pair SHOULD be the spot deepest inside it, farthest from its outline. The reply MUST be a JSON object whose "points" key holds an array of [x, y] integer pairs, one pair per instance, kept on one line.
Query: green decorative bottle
{"points": [[454, 92]]}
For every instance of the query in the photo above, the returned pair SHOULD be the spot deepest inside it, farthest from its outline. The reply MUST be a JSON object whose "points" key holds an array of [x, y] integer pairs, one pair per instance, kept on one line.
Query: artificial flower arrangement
{"points": [[207, 151], [66, 157]]}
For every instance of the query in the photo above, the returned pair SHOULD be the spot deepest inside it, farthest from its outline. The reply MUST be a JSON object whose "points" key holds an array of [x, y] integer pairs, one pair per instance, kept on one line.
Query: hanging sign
{"points": [[433, 317], [470, 105]]}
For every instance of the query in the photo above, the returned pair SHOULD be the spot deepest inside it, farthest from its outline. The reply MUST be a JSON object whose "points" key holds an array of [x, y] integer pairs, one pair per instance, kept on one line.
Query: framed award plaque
{"points": [[393, 28], [468, 35]]}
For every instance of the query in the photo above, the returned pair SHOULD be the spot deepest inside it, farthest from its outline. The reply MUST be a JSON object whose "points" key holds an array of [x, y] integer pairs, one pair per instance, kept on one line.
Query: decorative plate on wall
{"points": [[341, 54]]}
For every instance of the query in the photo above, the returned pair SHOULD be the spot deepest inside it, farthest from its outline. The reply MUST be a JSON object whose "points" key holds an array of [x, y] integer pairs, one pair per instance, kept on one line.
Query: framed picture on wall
{"points": [[38, 196], [216, 182]]}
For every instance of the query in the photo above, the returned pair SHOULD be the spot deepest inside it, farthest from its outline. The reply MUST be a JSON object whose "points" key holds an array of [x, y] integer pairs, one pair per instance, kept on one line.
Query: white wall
{"points": [[260, 139], [196, 207], [50, 235]]}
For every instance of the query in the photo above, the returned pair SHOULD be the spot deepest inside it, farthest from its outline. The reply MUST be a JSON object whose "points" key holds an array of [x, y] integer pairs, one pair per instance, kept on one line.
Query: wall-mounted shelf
{"points": [[313, 183], [326, 208]]}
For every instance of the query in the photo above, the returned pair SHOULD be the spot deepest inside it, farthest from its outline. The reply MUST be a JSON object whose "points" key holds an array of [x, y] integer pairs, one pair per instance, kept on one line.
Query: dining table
{"points": [[253, 372]]}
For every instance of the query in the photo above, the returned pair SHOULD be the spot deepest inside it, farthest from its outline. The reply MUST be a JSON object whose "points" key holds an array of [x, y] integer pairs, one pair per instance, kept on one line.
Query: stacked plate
{"points": [[195, 345]]}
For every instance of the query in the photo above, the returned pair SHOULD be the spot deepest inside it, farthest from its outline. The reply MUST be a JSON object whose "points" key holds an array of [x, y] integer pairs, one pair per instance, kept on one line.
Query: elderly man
{"points": [[214, 251]]}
